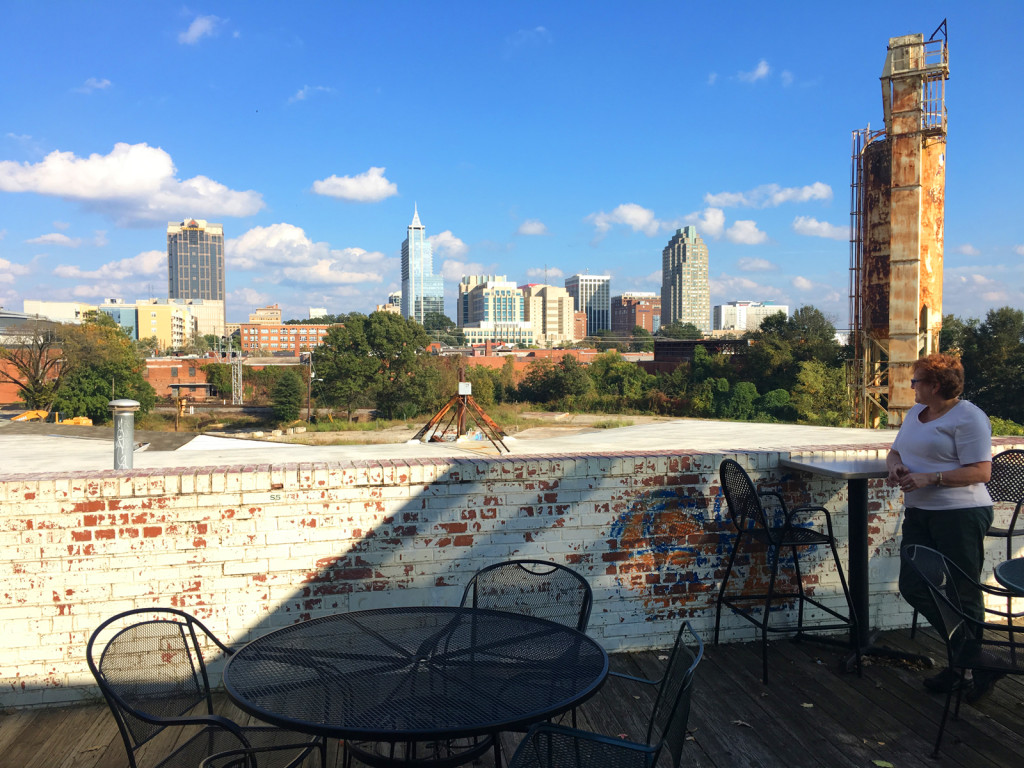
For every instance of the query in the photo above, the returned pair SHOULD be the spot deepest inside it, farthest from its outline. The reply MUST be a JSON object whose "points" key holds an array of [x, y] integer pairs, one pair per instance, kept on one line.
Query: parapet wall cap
{"points": [[124, 405]]}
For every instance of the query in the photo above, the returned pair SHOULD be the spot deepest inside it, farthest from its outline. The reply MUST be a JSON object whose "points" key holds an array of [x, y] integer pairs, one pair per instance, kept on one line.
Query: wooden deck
{"points": [[811, 714]]}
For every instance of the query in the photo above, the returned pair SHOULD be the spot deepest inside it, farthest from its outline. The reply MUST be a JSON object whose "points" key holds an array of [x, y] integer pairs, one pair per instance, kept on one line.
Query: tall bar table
{"points": [[856, 473]]}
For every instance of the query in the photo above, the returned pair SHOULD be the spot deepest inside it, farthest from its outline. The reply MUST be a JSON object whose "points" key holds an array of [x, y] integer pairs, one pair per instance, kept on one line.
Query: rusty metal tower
{"points": [[896, 222]]}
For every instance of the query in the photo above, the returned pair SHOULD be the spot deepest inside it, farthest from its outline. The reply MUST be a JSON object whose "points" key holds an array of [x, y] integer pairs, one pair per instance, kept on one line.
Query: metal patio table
{"points": [[415, 674], [857, 472], [1010, 573]]}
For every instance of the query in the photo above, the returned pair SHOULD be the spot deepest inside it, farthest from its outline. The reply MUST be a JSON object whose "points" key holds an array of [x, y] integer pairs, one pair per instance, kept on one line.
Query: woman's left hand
{"points": [[913, 481]]}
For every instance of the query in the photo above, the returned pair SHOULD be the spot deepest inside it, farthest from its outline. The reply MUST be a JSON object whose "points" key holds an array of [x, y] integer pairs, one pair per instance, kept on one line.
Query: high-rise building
{"points": [[592, 294], [466, 284], [195, 261], [746, 315], [422, 290], [637, 308], [269, 315], [685, 296], [495, 312], [549, 309]]}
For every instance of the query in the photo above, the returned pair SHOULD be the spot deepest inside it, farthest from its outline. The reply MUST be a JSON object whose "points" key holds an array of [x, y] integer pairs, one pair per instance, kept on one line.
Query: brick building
{"points": [[283, 338], [632, 309]]}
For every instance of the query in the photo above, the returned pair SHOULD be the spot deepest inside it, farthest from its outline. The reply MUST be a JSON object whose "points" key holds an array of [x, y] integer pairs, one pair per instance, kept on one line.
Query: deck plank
{"points": [[886, 715]]}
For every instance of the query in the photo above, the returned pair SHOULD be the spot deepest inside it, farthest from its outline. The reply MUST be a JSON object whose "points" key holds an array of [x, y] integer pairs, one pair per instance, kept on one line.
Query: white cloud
{"points": [[1019, 250], [802, 283], [806, 225], [447, 244], [637, 217], [532, 227], [745, 232], [8, 269], [545, 273], [248, 297], [759, 72], [453, 270], [293, 255], [146, 263], [770, 196], [308, 90], [56, 238], [787, 77], [93, 84], [528, 38], [333, 272], [967, 250], [747, 264], [739, 288], [133, 184], [61, 225], [201, 26], [99, 239], [368, 187], [710, 222]]}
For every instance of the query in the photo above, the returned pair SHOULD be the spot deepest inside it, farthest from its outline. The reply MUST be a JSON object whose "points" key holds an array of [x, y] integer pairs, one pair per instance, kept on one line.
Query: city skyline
{"points": [[533, 151]]}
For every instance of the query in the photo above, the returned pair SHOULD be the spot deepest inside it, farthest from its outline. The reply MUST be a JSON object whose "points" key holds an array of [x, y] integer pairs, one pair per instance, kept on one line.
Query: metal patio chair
{"points": [[987, 645], [150, 667], [555, 746], [1006, 485], [533, 588], [752, 525], [530, 587]]}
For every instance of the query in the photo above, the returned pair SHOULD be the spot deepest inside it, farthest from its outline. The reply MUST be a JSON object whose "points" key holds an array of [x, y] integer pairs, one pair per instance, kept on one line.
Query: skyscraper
{"points": [[685, 297], [422, 290], [592, 294], [195, 261]]}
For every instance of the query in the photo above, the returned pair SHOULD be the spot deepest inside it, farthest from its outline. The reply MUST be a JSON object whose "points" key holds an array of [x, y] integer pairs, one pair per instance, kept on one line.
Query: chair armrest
{"points": [[246, 757], [1013, 519], [633, 679], [812, 508]]}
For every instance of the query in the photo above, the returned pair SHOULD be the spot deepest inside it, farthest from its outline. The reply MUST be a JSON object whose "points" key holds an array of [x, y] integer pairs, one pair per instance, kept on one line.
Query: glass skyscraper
{"points": [[592, 294], [195, 262], [422, 290], [685, 294]]}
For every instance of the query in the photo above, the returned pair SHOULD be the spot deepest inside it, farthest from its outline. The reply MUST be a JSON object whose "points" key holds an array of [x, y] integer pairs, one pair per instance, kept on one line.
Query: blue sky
{"points": [[535, 138]]}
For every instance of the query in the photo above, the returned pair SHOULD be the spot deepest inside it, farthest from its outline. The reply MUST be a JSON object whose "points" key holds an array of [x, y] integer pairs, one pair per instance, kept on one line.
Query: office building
{"points": [[195, 262], [315, 312], [592, 294], [466, 284], [743, 316], [549, 310], [270, 315], [276, 338], [637, 308], [494, 312], [422, 290], [685, 295]]}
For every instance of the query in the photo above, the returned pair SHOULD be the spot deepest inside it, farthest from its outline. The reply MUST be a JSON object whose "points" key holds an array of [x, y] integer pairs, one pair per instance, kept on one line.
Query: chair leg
{"points": [[774, 560], [725, 581], [942, 724], [913, 625], [800, 592]]}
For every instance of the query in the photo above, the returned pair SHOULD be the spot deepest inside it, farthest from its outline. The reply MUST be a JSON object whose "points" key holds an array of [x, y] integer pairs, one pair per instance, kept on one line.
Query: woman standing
{"points": [[942, 458]]}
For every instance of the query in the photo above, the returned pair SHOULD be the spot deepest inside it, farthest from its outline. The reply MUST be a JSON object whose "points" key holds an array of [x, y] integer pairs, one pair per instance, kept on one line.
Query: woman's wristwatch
{"points": [[938, 478]]}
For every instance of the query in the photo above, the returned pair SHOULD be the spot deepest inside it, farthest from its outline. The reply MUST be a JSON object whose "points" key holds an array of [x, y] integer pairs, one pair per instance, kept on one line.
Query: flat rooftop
{"points": [[38, 448]]}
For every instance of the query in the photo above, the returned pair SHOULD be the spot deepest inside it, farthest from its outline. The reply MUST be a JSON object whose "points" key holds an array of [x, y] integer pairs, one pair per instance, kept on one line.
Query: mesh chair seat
{"points": [[991, 644], [554, 746], [442, 753], [750, 520], [153, 675]]}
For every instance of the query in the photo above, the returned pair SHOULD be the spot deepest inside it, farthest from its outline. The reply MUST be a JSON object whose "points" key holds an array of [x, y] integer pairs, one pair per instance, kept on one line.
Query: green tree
{"points": [[820, 395], [741, 403], [993, 360], [443, 329], [349, 374], [642, 340], [614, 375], [538, 382], [396, 344], [35, 363], [287, 397], [483, 381], [679, 330], [775, 406], [102, 365], [782, 343]]}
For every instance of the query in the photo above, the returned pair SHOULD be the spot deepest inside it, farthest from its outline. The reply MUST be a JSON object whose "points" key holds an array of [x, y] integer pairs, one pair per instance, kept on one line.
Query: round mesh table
{"points": [[415, 674], [1011, 575]]}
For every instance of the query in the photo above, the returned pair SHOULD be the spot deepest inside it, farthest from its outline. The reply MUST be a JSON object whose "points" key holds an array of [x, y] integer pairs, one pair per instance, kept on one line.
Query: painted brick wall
{"points": [[251, 548]]}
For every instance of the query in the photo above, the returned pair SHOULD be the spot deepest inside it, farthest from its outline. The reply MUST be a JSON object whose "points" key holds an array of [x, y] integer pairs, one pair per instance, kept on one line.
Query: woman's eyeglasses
{"points": [[915, 382]]}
